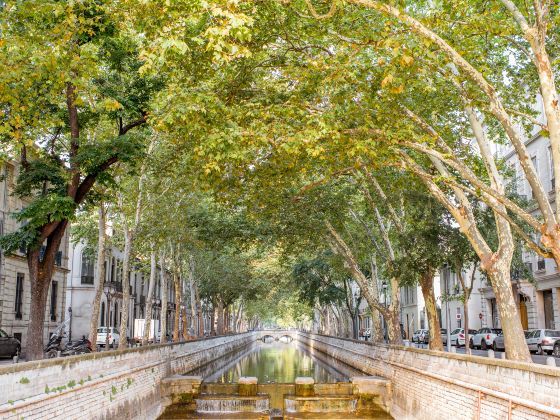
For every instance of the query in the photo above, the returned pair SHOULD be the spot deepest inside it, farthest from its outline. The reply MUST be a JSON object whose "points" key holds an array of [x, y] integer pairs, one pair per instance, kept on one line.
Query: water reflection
{"points": [[276, 362]]}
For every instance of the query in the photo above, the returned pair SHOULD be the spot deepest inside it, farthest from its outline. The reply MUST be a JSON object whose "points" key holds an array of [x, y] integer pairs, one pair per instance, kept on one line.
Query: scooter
{"points": [[82, 346], [54, 345]]}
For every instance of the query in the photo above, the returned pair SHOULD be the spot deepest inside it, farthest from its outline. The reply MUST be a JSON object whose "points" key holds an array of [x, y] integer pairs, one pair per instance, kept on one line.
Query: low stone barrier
{"points": [[116, 384], [430, 384]]}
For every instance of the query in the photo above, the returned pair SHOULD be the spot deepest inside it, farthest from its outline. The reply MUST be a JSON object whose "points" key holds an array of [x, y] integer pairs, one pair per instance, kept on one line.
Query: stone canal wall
{"points": [[124, 384], [429, 384]]}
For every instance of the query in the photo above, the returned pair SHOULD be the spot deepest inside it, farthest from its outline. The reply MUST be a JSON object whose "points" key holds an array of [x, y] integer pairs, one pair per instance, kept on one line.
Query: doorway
{"points": [[523, 312]]}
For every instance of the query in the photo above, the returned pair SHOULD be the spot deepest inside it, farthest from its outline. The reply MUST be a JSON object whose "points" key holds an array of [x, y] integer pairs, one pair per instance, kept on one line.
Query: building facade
{"points": [[452, 307], [413, 308], [15, 290], [538, 300], [83, 281]]}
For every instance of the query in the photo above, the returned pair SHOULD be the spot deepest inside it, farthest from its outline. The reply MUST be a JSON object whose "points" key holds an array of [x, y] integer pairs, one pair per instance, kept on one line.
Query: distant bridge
{"points": [[276, 335]]}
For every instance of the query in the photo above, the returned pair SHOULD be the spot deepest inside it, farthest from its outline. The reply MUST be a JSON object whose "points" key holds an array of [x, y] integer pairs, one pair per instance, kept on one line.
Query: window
{"points": [[115, 314], [58, 259], [102, 321], [87, 268], [112, 270], [54, 297], [540, 264], [19, 295]]}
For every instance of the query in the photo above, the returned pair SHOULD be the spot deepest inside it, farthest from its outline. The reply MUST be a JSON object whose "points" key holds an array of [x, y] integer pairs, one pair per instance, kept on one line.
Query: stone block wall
{"points": [[123, 384], [428, 384]]}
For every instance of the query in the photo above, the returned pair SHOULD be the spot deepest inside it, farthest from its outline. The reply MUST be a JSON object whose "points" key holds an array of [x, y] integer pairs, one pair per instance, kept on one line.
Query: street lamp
{"points": [[110, 291]]}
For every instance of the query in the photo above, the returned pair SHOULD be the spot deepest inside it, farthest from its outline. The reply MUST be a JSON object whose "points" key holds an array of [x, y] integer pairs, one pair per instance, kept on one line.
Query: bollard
{"points": [[551, 361], [248, 386], [491, 354], [58, 353], [453, 349], [16, 358], [305, 386]]}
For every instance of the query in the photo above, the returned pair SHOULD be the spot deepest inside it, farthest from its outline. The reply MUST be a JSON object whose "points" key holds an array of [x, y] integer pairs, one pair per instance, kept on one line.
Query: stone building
{"points": [[451, 303], [82, 283], [413, 308], [15, 291], [539, 300]]}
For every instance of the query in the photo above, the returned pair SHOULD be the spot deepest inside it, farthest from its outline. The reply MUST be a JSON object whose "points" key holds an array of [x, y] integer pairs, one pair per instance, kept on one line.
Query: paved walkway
{"points": [[484, 353]]}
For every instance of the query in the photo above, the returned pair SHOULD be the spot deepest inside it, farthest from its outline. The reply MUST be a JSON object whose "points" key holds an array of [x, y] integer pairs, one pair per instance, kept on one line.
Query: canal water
{"points": [[276, 362], [276, 365]]}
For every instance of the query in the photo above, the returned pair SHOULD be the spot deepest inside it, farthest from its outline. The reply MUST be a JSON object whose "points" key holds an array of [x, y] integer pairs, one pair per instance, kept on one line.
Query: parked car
{"points": [[499, 341], [484, 338], [426, 336], [443, 336], [114, 336], [542, 340], [9, 346], [420, 335], [458, 336]]}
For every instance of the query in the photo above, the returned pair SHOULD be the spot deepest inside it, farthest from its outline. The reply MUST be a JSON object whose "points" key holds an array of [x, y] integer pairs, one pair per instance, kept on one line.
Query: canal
{"points": [[276, 367], [276, 362]]}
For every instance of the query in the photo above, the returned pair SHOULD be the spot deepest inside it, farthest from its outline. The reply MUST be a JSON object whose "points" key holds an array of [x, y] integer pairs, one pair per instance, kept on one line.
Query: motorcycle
{"points": [[54, 345], [82, 346], [55, 340]]}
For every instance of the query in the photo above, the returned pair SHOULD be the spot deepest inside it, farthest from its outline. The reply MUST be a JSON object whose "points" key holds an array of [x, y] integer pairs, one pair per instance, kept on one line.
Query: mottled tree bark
{"points": [[150, 297], [100, 263], [220, 315], [177, 287], [163, 313], [427, 286]]}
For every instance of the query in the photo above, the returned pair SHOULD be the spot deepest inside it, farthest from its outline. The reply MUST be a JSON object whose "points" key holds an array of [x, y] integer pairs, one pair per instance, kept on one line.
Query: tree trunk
{"points": [[128, 237], [40, 276], [237, 318], [150, 298], [39, 283], [195, 320], [163, 314], [393, 327], [220, 311], [102, 236], [514, 336], [185, 326], [200, 316], [177, 286], [427, 286], [212, 321], [466, 297]]}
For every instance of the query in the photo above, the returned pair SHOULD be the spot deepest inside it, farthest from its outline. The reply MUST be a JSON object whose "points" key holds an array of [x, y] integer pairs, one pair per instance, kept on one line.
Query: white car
{"points": [[458, 336], [542, 340], [114, 336], [484, 338], [419, 336]]}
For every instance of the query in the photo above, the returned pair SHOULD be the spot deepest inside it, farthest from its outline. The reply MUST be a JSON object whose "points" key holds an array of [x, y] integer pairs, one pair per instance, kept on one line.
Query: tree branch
{"points": [[124, 129]]}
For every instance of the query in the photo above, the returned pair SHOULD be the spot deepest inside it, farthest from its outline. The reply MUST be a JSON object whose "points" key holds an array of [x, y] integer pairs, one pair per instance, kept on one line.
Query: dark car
{"points": [[9, 346]]}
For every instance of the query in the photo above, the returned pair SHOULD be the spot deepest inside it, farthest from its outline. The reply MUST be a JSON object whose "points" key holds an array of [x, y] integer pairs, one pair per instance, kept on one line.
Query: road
{"points": [[498, 354]]}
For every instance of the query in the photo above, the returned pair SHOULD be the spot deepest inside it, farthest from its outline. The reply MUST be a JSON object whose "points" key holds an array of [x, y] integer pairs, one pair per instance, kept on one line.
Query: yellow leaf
{"points": [[387, 80]]}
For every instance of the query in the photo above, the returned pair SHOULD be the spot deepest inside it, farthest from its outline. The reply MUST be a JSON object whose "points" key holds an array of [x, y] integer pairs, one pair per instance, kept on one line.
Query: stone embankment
{"points": [[429, 384], [116, 384]]}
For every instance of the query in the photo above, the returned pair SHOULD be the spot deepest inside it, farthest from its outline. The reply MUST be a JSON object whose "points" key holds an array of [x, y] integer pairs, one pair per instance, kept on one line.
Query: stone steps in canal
{"points": [[232, 404]]}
